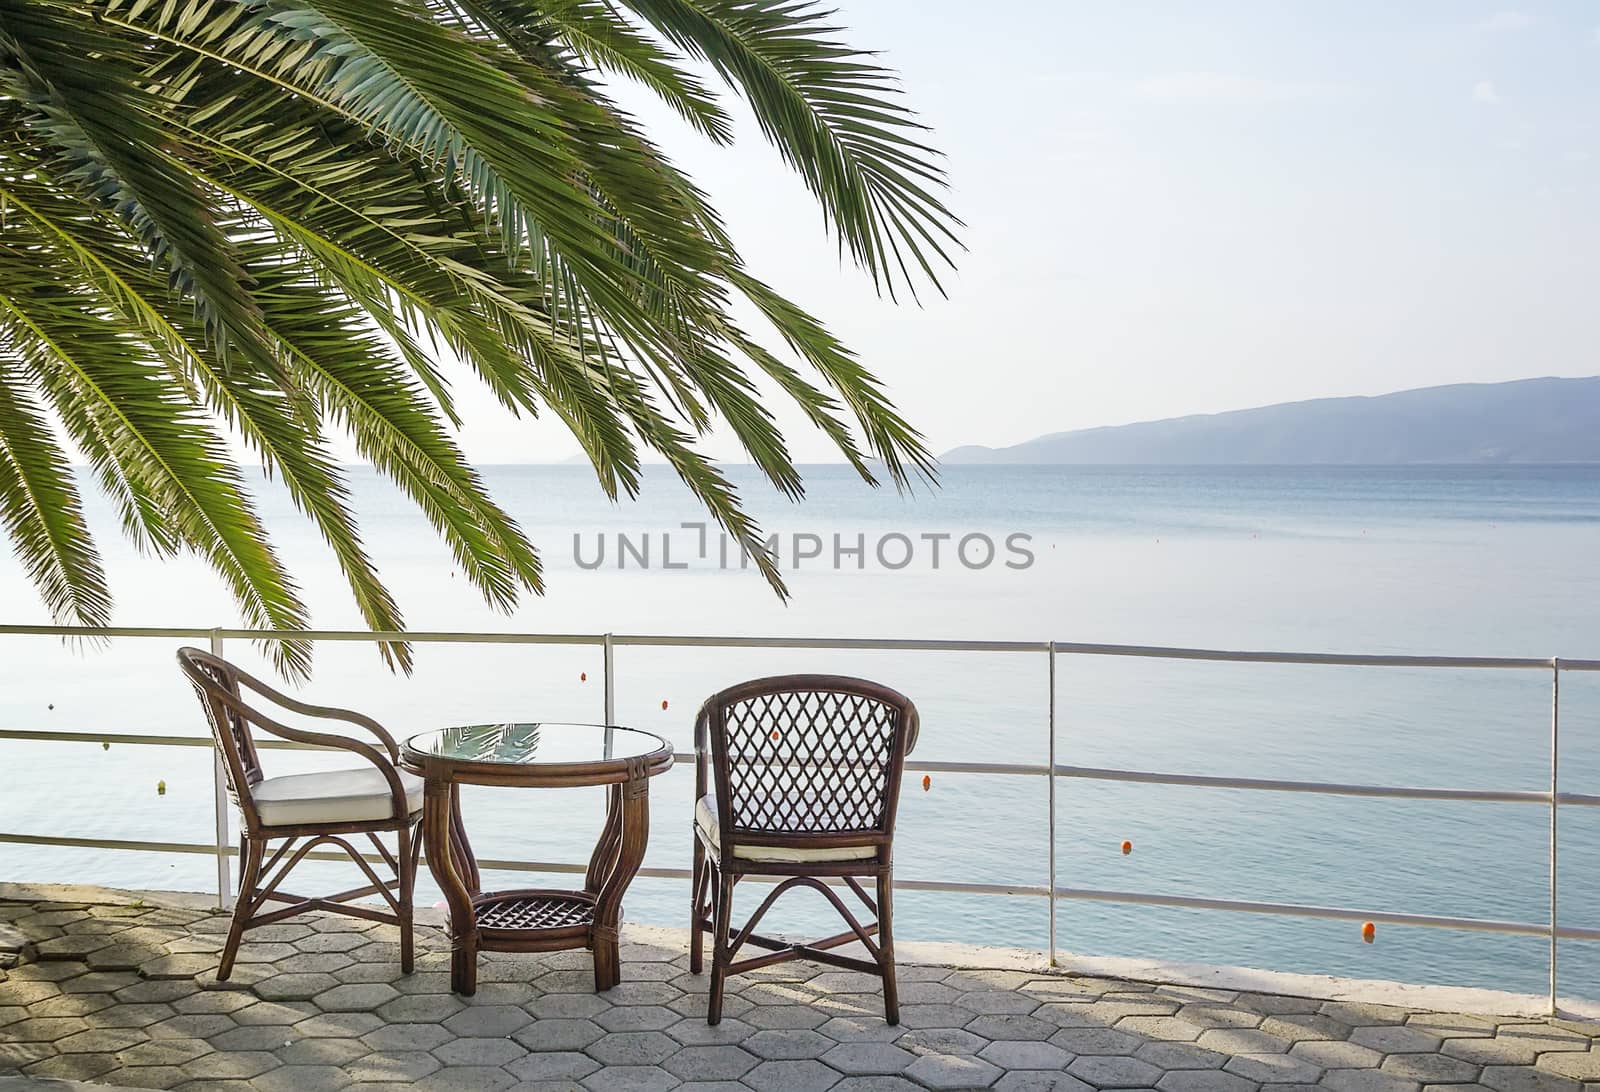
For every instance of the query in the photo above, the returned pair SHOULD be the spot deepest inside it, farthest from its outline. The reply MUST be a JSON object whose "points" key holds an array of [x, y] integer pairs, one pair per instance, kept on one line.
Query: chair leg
{"points": [[722, 911], [406, 861], [697, 909], [891, 992], [249, 874]]}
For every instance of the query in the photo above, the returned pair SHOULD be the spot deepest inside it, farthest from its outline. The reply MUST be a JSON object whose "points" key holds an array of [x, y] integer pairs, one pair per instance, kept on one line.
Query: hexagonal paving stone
{"points": [[1296, 1027], [313, 1052], [952, 1071], [1397, 1039], [488, 1020], [72, 1067], [294, 987], [624, 1048], [339, 1025], [397, 1066], [1096, 1041], [76, 1004], [941, 1041], [1180, 1056], [543, 1035], [1367, 1080], [1244, 1041], [935, 1016], [788, 1044], [1012, 1027], [281, 1013], [569, 1006], [558, 1065], [234, 1065], [45, 1029], [1166, 1028], [696, 1032], [631, 1078], [479, 1051], [165, 1052], [1203, 1080], [1025, 1055], [100, 1041], [1039, 1081], [421, 1008], [868, 1058], [1111, 1071], [710, 1063], [637, 1018], [121, 957], [1448, 1026], [1274, 1068], [252, 1038], [303, 1078], [1503, 1078], [406, 1037], [366, 997], [1430, 1068], [785, 1017], [801, 1075], [1332, 1055], [178, 966], [1582, 1066]]}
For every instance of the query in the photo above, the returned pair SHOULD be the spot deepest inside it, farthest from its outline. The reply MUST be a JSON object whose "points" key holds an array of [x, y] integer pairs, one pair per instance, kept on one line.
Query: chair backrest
{"points": [[802, 759], [216, 684]]}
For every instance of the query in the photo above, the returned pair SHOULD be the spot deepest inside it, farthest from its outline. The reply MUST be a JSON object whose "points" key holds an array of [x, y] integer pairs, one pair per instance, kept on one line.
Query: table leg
{"points": [[448, 853], [605, 850], [630, 805]]}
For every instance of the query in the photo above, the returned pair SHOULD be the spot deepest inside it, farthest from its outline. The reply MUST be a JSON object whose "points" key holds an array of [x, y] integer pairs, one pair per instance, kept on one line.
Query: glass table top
{"points": [[534, 743]]}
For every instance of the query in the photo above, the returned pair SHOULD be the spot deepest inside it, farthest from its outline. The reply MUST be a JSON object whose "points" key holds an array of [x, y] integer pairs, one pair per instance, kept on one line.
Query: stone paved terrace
{"points": [[121, 992]]}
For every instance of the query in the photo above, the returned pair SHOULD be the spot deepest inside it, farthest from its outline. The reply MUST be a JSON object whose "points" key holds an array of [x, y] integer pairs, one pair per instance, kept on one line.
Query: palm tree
{"points": [[266, 219]]}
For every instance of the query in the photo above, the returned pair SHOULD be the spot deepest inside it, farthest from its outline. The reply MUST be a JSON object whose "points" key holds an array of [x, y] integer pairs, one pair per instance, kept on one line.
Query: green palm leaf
{"points": [[267, 220]]}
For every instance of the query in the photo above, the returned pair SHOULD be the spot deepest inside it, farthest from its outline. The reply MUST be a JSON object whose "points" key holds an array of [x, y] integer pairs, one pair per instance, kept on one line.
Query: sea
{"points": [[1457, 561]]}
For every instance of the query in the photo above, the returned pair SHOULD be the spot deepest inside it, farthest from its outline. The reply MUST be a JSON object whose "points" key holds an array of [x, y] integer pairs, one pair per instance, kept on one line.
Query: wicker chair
{"points": [[303, 811], [807, 775]]}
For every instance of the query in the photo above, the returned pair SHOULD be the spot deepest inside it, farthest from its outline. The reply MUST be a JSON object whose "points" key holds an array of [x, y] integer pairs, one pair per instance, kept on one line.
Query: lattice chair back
{"points": [[216, 684], [808, 759]]}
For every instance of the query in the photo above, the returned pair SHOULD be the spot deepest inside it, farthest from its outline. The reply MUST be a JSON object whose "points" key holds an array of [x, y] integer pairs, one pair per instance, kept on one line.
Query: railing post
{"points": [[1555, 818], [1051, 780], [220, 806], [610, 693]]}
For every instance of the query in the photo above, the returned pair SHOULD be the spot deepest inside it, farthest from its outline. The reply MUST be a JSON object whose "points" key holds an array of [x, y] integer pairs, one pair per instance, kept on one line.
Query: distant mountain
{"points": [[1527, 421]]}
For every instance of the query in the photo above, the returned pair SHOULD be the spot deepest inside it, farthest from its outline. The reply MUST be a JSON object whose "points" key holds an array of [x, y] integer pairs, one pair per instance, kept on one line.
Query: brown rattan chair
{"points": [[303, 811], [807, 772]]}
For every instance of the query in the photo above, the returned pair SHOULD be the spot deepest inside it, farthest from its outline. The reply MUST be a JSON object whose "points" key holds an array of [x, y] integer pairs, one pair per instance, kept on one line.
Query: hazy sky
{"points": [[1177, 208]]}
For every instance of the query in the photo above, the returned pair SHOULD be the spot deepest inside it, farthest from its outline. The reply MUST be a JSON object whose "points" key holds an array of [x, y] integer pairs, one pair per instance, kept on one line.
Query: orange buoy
{"points": [[1127, 848], [927, 782], [774, 734], [583, 676], [663, 703], [1368, 931]]}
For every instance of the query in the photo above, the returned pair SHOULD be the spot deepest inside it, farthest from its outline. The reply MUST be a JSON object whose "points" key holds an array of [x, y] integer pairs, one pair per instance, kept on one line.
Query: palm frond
{"points": [[271, 220]]}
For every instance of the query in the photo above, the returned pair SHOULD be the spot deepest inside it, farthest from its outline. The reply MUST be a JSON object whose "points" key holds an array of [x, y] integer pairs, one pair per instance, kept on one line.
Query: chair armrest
{"points": [[397, 792], [325, 712]]}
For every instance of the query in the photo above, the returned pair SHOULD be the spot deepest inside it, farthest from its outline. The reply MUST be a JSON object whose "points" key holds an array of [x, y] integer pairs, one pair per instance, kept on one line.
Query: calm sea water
{"points": [[1494, 561]]}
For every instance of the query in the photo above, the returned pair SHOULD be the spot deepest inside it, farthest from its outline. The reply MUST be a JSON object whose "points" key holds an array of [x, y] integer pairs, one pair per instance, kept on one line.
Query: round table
{"points": [[536, 755]]}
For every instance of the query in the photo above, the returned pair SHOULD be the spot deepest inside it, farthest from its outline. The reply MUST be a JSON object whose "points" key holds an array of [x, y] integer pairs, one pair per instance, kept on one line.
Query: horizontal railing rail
{"points": [[1051, 770]]}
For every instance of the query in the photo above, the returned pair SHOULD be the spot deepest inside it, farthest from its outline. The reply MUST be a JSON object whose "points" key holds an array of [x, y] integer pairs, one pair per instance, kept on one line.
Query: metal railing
{"points": [[1051, 770]]}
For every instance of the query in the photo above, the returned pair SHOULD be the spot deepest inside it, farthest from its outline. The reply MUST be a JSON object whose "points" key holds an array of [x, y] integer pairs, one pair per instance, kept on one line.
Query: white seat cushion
{"points": [[336, 796], [705, 817]]}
